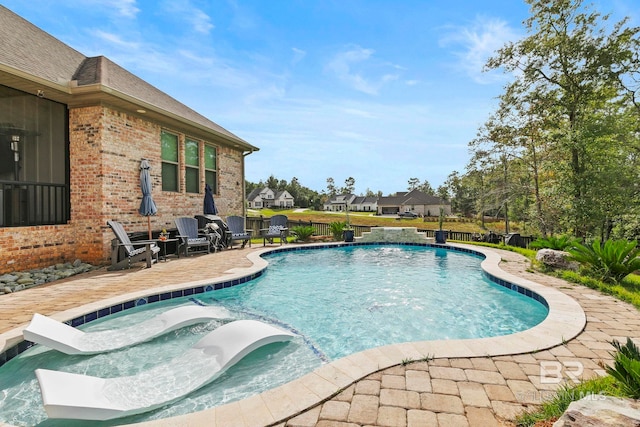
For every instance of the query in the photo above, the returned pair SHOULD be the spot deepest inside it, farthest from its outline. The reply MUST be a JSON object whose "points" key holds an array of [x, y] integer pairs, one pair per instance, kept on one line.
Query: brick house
{"points": [[73, 131]]}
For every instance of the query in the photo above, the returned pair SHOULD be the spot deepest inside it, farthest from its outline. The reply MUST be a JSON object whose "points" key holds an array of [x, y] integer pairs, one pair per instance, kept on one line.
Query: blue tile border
{"points": [[12, 352], [149, 299]]}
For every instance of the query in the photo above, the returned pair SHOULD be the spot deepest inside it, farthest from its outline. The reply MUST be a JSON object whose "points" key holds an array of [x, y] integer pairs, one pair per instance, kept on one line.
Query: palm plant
{"points": [[303, 233], [626, 368], [609, 262], [558, 243], [336, 229]]}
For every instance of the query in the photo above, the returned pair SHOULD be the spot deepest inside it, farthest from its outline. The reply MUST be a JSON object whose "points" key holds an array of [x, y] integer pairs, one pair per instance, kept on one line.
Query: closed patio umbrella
{"points": [[147, 206], [209, 204]]}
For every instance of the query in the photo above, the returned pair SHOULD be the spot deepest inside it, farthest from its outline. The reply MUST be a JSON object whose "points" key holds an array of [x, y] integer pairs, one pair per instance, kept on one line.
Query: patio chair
{"points": [[277, 229], [132, 254], [189, 235], [238, 232]]}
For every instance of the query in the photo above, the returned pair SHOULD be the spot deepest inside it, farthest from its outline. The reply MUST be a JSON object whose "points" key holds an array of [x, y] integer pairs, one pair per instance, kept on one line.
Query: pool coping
{"points": [[566, 319]]}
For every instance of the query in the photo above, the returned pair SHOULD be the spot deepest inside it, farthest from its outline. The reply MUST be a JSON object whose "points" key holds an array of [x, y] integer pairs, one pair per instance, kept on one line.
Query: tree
{"points": [[349, 186], [573, 62], [426, 188], [413, 183], [272, 182], [331, 187], [462, 194]]}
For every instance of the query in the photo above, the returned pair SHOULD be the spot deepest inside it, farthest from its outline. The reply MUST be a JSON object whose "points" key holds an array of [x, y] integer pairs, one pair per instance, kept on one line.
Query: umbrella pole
{"points": [[149, 225]]}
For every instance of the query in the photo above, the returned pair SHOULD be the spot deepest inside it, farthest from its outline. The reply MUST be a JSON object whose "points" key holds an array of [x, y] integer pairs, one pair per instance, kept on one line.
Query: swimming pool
{"points": [[392, 272]]}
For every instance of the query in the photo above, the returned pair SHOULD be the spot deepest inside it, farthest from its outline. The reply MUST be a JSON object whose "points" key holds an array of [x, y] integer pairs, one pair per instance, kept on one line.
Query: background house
{"points": [[73, 130], [364, 204], [268, 198], [413, 201], [338, 202]]}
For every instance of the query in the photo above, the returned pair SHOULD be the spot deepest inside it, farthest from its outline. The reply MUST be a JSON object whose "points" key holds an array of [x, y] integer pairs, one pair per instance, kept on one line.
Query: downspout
{"points": [[244, 195]]}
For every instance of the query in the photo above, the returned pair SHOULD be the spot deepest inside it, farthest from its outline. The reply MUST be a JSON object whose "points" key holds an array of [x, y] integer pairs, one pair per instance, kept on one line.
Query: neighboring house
{"points": [[268, 198], [413, 201], [261, 198], [283, 199], [73, 130], [364, 204], [339, 202]]}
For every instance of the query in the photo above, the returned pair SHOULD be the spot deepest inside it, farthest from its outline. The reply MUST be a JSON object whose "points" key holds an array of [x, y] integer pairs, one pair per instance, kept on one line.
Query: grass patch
{"points": [[553, 408], [528, 253], [371, 220], [628, 290]]}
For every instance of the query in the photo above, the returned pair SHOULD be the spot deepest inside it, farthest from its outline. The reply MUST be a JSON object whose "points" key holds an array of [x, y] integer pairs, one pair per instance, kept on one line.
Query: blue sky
{"points": [[378, 90]]}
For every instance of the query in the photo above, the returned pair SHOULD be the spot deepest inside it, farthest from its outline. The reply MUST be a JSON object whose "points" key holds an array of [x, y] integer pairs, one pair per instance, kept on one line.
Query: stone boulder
{"points": [[603, 411], [556, 259]]}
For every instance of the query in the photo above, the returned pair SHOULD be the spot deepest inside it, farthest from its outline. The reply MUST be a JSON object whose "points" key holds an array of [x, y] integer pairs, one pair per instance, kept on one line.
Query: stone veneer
{"points": [[105, 149], [394, 235]]}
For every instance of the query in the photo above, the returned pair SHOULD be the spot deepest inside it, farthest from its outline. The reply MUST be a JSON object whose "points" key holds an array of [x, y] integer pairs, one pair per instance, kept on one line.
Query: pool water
{"points": [[339, 300]]}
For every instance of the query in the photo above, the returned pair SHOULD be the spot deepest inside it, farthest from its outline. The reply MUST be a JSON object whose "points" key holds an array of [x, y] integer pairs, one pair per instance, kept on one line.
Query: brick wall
{"points": [[106, 147]]}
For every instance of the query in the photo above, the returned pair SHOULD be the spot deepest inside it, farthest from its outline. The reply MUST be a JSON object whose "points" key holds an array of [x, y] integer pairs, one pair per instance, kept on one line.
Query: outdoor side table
{"points": [[164, 242]]}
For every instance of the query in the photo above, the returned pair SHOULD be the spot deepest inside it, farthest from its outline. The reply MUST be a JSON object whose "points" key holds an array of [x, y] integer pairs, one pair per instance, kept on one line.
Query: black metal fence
{"points": [[323, 229], [32, 203]]}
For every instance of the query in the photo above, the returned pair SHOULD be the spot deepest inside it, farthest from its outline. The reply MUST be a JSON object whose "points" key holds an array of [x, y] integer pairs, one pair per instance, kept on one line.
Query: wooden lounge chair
{"points": [[238, 232], [277, 229], [132, 254], [189, 235]]}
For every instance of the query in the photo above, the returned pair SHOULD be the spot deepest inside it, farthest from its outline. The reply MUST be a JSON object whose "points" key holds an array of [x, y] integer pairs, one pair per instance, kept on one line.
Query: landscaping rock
{"points": [[556, 259], [18, 281], [7, 278], [598, 410]]}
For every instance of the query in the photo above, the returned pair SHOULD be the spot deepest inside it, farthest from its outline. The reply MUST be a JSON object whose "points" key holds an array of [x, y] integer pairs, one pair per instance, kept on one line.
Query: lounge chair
{"points": [[132, 254], [238, 232], [277, 229], [189, 235], [76, 396], [69, 340]]}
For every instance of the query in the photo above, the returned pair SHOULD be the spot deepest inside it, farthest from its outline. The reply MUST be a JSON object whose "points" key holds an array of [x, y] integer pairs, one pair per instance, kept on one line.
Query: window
{"points": [[192, 166], [169, 161], [34, 160], [211, 167]]}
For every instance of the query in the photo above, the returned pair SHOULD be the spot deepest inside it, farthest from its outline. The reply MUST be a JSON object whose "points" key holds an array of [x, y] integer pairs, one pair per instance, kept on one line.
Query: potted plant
{"points": [[337, 229], [441, 235]]}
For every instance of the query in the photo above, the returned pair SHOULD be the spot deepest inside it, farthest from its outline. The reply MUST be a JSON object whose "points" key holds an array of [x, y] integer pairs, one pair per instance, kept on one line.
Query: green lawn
{"points": [[369, 219]]}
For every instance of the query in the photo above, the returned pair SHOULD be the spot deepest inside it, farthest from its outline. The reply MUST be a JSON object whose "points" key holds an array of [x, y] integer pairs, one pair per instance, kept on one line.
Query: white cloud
{"points": [[476, 43], [125, 8], [350, 65], [183, 9], [201, 22], [117, 40], [298, 55]]}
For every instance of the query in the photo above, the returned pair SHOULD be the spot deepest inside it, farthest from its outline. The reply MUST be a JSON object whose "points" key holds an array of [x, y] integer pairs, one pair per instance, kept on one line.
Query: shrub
{"points": [[303, 233], [337, 228], [626, 368], [610, 262], [559, 243]]}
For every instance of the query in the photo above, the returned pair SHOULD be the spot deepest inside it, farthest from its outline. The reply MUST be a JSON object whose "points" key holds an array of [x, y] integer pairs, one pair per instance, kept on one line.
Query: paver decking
{"points": [[465, 391]]}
